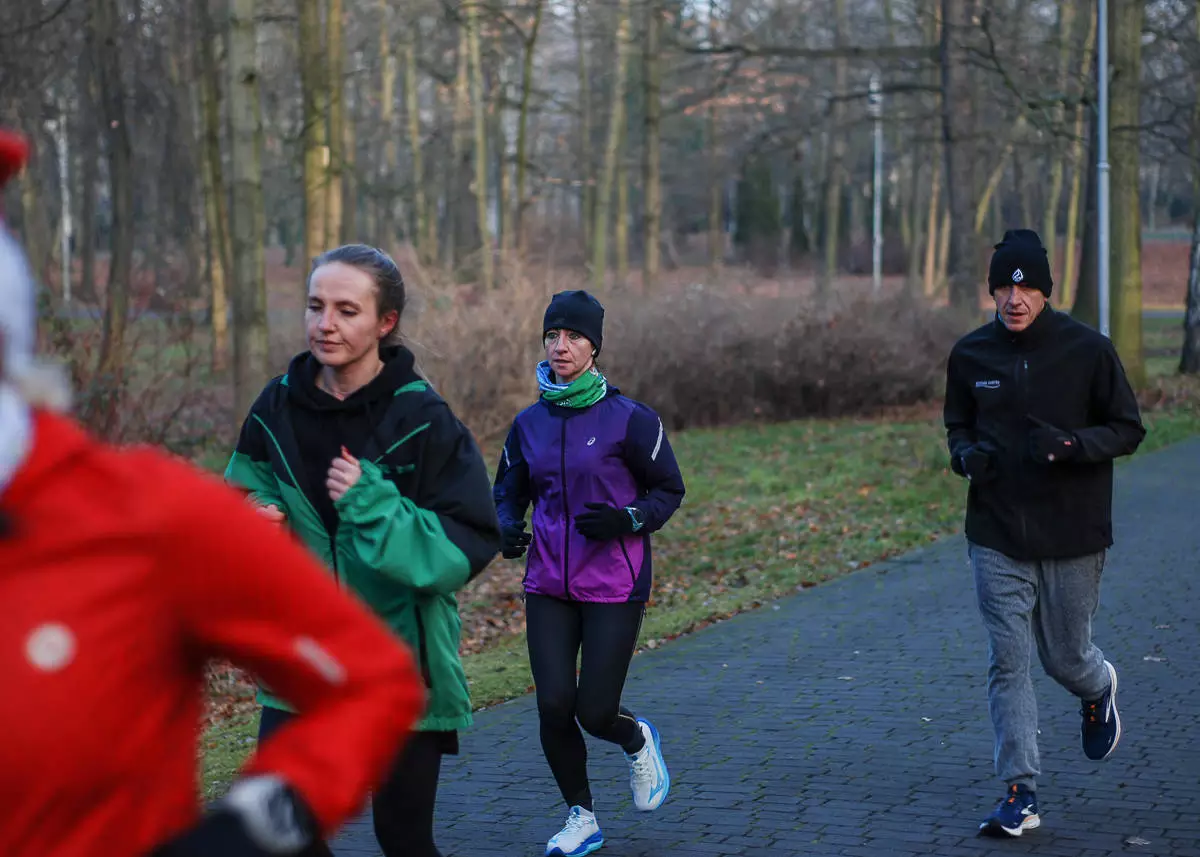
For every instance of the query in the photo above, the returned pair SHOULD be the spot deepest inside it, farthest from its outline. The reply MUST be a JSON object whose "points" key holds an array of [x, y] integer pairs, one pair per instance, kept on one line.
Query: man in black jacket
{"points": [[1037, 407]]}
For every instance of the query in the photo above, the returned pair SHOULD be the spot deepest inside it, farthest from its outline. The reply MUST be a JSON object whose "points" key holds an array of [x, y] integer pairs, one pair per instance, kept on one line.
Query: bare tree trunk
{"points": [[458, 146], [504, 204], [1127, 17], [247, 221], [313, 82], [216, 208], [913, 275], [834, 175], [426, 228], [652, 224], [716, 244], [612, 149], [997, 176], [716, 234], [931, 229], [1189, 356], [523, 123], [585, 132], [385, 203], [1066, 26], [336, 81], [956, 124], [90, 177], [1087, 296], [1078, 168], [621, 224], [349, 178], [482, 190], [105, 17], [943, 261]]}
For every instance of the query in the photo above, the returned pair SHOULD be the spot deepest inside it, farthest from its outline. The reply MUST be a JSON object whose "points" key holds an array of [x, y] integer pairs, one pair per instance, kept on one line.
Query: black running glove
{"points": [[602, 522], [514, 541], [260, 817], [977, 463], [1049, 444]]}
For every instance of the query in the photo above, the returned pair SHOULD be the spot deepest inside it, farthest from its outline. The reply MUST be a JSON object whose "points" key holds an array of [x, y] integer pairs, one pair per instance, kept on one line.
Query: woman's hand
{"points": [[271, 512], [344, 474]]}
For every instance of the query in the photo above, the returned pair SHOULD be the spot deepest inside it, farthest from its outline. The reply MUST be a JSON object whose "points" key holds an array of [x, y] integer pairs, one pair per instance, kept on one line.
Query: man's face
{"points": [[1018, 306]]}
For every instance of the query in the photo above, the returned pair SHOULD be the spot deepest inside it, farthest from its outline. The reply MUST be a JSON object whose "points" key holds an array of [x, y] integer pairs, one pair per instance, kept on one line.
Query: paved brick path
{"points": [[851, 719]]}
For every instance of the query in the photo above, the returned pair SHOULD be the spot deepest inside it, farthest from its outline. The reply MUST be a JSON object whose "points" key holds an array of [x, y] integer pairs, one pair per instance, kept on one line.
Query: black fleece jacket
{"points": [[999, 385]]}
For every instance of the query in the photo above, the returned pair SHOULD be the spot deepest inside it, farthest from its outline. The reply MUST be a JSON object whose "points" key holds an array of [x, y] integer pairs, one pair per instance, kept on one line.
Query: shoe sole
{"points": [[992, 828], [665, 772], [1112, 671], [1112, 674], [588, 848]]}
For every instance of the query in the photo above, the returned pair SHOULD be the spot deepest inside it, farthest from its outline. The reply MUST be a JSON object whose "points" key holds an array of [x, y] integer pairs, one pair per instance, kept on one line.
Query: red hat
{"points": [[13, 152]]}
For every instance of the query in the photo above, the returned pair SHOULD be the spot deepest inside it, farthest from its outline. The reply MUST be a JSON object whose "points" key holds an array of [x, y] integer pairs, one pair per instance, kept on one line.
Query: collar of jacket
{"points": [[1031, 337]]}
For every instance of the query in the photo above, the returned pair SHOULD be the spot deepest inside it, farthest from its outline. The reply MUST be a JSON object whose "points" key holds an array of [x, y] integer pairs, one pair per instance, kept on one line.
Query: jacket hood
{"points": [[301, 381]]}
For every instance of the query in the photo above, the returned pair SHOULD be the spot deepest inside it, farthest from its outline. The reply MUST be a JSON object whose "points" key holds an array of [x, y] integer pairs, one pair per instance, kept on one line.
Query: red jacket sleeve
{"points": [[247, 592]]}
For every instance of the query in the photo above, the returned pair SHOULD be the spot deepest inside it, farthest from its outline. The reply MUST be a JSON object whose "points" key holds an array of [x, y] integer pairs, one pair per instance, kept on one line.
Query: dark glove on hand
{"points": [[1049, 444], [977, 463], [261, 817], [514, 541], [603, 522]]}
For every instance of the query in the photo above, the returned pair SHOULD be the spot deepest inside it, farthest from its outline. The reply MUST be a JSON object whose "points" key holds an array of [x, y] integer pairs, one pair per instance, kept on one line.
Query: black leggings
{"points": [[607, 634], [402, 807]]}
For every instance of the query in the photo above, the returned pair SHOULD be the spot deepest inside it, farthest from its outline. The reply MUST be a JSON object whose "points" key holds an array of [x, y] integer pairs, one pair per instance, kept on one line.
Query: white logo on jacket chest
{"points": [[50, 647], [987, 385], [591, 441]]}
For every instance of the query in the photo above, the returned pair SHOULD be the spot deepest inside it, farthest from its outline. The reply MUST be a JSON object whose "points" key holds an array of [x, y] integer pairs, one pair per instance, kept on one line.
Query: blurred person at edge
{"points": [[121, 573], [1037, 407]]}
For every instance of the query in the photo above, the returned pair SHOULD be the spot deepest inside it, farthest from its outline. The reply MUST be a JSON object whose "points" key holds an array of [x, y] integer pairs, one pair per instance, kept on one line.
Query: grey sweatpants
{"points": [[1050, 603]]}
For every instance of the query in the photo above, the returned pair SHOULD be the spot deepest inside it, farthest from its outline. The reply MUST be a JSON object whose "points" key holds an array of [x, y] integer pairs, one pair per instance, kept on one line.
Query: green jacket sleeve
{"points": [[438, 539], [249, 467]]}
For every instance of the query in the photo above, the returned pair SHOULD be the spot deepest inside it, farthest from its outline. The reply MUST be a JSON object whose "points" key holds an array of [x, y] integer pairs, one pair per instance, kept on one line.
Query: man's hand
{"points": [[602, 522], [344, 474], [977, 463], [1049, 444], [514, 541]]}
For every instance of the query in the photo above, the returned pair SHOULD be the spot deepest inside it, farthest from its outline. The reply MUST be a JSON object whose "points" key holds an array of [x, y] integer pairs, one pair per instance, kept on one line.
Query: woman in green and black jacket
{"points": [[367, 465]]}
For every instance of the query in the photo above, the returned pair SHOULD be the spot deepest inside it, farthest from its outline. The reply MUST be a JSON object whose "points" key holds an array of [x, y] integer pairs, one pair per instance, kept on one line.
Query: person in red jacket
{"points": [[121, 573]]}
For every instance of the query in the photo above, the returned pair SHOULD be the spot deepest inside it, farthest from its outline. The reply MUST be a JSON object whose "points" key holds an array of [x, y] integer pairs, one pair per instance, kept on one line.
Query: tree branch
{"points": [[29, 28], [876, 52]]}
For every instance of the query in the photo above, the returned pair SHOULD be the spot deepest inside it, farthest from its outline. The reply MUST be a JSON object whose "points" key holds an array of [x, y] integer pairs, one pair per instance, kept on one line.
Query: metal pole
{"points": [[876, 105], [1102, 167]]}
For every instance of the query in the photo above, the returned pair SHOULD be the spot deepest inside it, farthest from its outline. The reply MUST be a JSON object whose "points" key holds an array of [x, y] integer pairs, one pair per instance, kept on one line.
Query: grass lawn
{"points": [[770, 509]]}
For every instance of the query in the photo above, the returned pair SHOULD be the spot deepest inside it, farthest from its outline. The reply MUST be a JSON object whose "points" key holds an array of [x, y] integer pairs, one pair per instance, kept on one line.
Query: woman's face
{"points": [[569, 353], [342, 320]]}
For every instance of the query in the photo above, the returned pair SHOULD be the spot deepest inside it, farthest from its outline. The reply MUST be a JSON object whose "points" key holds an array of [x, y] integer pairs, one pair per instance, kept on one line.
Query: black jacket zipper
{"points": [[422, 649], [1022, 466], [566, 515]]}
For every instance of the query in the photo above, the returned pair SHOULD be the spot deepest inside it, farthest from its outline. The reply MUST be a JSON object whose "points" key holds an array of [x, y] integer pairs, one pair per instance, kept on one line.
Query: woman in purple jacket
{"points": [[601, 477]]}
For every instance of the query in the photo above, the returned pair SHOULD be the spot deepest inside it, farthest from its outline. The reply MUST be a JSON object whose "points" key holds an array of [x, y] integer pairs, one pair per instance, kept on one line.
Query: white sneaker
{"points": [[580, 835], [648, 776]]}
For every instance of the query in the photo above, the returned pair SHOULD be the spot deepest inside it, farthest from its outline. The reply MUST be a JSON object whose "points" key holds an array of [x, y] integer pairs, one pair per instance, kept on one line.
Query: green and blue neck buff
{"points": [[583, 392]]}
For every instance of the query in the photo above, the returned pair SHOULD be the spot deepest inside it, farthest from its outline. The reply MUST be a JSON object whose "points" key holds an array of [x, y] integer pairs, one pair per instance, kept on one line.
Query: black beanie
{"points": [[576, 310], [1020, 260]]}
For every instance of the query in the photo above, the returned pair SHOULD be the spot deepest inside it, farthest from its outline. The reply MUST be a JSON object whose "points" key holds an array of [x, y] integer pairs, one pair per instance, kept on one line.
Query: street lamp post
{"points": [[876, 108], [1102, 168]]}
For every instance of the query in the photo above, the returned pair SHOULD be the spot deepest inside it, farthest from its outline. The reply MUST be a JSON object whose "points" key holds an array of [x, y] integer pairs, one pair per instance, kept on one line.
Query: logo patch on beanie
{"points": [[1018, 276]]}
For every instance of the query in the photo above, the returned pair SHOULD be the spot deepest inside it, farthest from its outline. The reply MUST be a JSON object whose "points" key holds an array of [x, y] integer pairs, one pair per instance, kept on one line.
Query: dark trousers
{"points": [[402, 807], [557, 632]]}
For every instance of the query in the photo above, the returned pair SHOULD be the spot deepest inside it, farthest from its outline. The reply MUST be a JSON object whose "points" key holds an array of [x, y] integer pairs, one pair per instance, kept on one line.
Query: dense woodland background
{"points": [[706, 167]]}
